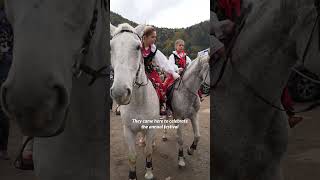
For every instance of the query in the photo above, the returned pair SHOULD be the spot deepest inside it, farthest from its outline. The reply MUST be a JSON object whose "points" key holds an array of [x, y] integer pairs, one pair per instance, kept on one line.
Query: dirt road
{"points": [[302, 161], [165, 157]]}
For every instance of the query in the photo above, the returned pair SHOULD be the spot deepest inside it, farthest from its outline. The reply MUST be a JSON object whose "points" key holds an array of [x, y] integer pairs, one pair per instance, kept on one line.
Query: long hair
{"points": [[148, 30]]}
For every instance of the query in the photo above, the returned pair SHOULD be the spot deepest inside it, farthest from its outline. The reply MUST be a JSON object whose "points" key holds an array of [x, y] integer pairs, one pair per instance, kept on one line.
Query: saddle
{"points": [[170, 90], [169, 94]]}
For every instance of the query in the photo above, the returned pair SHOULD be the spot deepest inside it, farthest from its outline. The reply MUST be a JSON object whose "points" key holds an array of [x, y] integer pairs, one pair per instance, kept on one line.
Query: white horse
{"points": [[133, 91], [185, 101], [53, 42], [249, 135]]}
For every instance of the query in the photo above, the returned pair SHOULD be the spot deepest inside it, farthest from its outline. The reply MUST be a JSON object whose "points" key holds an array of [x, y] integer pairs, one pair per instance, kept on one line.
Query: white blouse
{"points": [[172, 60], [161, 60]]}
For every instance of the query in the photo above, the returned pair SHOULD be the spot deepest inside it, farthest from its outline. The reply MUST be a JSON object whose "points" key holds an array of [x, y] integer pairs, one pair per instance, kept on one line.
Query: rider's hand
{"points": [[180, 70], [175, 76]]}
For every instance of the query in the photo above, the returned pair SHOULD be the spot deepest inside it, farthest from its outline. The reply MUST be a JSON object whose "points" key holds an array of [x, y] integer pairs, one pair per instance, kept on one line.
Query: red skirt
{"points": [[154, 77]]}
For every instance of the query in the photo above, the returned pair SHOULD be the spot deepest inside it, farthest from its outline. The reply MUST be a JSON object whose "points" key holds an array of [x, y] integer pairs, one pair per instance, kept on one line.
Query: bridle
{"points": [[139, 84], [245, 81], [79, 65], [136, 83]]}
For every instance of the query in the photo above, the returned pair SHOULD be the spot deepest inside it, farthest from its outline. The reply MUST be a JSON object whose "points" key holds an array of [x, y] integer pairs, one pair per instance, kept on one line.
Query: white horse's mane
{"points": [[203, 59], [200, 59], [125, 27]]}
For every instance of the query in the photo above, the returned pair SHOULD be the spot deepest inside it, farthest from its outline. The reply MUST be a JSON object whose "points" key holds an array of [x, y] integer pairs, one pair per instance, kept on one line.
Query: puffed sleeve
{"points": [[188, 60], [161, 60], [171, 59]]}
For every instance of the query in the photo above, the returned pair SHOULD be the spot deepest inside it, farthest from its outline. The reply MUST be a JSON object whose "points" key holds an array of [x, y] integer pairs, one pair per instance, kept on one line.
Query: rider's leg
{"points": [[160, 89]]}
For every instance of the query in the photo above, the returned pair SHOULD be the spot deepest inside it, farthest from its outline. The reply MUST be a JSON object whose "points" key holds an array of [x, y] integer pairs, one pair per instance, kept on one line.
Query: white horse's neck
{"points": [[191, 79]]}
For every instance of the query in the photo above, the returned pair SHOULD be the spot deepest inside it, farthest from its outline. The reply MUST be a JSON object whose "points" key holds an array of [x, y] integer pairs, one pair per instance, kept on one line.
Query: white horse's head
{"points": [[48, 35], [126, 60]]}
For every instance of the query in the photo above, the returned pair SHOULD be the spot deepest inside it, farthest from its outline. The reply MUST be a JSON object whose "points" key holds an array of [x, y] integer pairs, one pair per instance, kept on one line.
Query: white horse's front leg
{"points": [[196, 134], [165, 131], [150, 139], [132, 155], [181, 162]]}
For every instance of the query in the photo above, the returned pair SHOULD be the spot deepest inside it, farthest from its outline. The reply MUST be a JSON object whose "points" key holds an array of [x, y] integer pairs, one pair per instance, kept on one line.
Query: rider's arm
{"points": [[172, 60], [161, 60]]}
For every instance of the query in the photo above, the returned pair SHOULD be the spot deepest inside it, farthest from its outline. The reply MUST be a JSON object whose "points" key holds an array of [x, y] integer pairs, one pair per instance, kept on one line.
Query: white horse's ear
{"points": [[139, 29], [112, 29]]}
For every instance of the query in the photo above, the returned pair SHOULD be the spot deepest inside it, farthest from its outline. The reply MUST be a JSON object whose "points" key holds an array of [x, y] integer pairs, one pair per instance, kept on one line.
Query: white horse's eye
{"points": [[138, 47]]}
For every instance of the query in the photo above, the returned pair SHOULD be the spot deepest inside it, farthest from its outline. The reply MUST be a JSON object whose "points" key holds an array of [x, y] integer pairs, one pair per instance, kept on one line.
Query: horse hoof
{"points": [[148, 175], [181, 162], [164, 139], [181, 166], [190, 152], [118, 113]]}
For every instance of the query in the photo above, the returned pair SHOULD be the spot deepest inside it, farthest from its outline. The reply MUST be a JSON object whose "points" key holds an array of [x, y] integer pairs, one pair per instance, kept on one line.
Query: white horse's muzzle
{"points": [[122, 96]]}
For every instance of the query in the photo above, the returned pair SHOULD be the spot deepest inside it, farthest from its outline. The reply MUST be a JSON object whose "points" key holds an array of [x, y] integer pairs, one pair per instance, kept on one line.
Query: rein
{"points": [[79, 66], [181, 81], [139, 84], [245, 81]]}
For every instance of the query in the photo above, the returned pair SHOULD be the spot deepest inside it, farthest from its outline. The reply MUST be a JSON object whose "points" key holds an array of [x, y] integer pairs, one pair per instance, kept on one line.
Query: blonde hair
{"points": [[179, 41], [148, 30]]}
